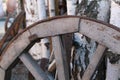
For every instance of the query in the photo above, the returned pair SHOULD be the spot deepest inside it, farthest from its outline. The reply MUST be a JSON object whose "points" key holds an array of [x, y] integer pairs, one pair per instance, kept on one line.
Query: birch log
{"points": [[31, 11], [71, 10], [90, 8], [42, 15], [113, 70], [41, 9], [71, 7], [103, 15], [104, 10], [36, 10], [51, 8], [61, 68], [44, 49]]}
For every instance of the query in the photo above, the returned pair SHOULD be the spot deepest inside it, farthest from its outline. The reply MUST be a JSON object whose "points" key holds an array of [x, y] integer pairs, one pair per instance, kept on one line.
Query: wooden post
{"points": [[33, 67], [2, 74], [45, 52], [67, 39], [94, 62], [60, 57]]}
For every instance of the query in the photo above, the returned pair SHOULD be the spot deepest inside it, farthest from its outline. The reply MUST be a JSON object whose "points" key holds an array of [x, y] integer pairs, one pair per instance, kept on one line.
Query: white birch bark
{"points": [[36, 10], [80, 1], [71, 7], [41, 9], [45, 52], [42, 15], [103, 11], [51, 8], [31, 10], [104, 8], [71, 10], [115, 14], [113, 70], [35, 51], [103, 15], [82, 41]]}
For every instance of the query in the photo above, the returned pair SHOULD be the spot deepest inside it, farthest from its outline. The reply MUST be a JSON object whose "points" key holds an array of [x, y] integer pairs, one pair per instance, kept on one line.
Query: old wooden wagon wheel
{"points": [[105, 34]]}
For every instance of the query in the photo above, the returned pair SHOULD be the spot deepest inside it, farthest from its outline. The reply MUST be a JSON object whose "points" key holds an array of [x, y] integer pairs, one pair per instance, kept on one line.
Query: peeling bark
{"points": [[85, 47], [31, 10], [113, 62]]}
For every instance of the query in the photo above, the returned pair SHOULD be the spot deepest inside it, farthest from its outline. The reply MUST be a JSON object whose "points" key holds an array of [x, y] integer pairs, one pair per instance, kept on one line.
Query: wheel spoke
{"points": [[33, 67], [60, 57], [94, 62]]}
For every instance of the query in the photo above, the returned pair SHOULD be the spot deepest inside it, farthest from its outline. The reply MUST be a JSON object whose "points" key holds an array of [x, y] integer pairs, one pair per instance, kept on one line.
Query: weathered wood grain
{"points": [[103, 33], [60, 57], [14, 49], [94, 62], [33, 67], [2, 74], [55, 27], [44, 29]]}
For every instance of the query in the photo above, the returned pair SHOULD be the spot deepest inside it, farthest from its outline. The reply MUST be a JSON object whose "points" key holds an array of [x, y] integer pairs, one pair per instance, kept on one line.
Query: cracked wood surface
{"points": [[105, 34]]}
